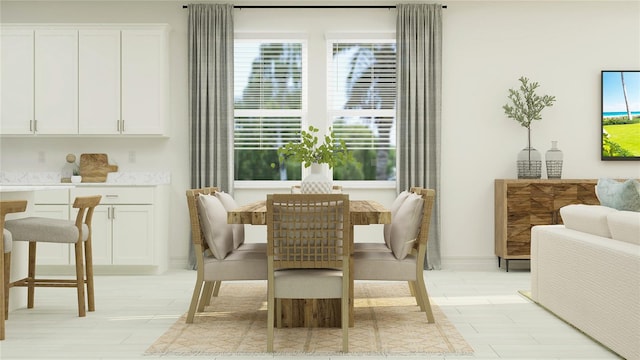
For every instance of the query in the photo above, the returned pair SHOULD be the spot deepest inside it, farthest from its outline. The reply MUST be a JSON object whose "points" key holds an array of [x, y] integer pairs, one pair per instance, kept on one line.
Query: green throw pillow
{"points": [[619, 195]]}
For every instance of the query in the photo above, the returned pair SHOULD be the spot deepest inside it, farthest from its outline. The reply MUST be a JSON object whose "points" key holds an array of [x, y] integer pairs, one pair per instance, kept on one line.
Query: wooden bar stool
{"points": [[6, 207], [41, 229]]}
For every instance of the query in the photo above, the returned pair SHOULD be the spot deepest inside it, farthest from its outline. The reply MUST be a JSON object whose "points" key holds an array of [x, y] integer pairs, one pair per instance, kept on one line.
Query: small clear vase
{"points": [[529, 164], [553, 159]]}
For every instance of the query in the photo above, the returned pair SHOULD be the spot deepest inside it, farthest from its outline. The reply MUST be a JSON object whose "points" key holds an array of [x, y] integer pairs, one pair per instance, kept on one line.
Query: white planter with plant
{"points": [[525, 107], [311, 153]]}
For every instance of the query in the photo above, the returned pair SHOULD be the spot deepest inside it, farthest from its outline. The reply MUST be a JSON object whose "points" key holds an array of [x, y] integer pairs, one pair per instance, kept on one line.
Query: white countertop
{"points": [[16, 188], [52, 179]]}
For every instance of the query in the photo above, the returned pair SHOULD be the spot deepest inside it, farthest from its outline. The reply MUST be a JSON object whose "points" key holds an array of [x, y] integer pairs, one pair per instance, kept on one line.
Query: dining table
{"points": [[316, 312]]}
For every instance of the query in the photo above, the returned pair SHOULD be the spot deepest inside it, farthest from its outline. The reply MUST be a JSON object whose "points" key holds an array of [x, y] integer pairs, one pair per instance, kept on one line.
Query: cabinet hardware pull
{"points": [[118, 125], [35, 127], [113, 213], [122, 125], [31, 125], [111, 196]]}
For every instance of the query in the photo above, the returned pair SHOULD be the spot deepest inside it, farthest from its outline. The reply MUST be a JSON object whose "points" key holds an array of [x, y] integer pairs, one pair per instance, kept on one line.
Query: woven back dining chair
{"points": [[218, 257], [308, 253], [403, 258]]}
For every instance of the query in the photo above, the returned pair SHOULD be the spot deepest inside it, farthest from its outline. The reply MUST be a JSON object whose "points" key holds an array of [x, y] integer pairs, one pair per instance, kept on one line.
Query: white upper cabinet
{"points": [[16, 81], [56, 82], [99, 81], [144, 67], [84, 79]]}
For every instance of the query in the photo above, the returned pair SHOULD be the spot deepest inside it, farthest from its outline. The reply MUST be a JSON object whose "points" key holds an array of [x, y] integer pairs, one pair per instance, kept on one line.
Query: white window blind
{"points": [[268, 93], [362, 93]]}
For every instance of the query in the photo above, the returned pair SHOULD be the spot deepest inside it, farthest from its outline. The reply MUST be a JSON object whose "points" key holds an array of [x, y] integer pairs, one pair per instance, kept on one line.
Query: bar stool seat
{"points": [[41, 229]]}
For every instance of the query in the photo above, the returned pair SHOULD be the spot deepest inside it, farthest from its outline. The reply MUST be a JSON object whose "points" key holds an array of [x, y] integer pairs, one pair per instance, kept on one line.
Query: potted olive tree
{"points": [[526, 107]]}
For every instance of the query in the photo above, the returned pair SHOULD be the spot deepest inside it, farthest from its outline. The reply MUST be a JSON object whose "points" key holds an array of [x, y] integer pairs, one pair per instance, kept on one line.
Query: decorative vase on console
{"points": [[317, 182], [553, 158], [525, 107]]}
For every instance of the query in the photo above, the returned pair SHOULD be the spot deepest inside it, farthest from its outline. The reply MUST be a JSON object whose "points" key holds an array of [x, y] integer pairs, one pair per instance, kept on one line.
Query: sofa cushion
{"points": [[590, 219], [405, 226], [229, 204], [394, 210], [625, 226], [213, 220], [619, 195]]}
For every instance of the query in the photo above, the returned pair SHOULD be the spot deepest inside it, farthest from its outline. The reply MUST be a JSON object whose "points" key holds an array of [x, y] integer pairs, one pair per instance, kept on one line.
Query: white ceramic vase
{"points": [[317, 182]]}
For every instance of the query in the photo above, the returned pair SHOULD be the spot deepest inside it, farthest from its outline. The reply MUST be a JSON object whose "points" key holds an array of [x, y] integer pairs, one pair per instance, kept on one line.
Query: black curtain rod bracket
{"points": [[313, 6]]}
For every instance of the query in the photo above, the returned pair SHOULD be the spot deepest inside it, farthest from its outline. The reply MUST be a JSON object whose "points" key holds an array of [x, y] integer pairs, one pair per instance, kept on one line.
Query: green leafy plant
{"points": [[526, 105], [76, 171], [309, 150]]}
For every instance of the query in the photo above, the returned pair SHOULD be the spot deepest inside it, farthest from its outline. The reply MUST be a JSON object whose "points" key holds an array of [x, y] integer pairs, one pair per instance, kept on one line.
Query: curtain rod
{"points": [[313, 6]]}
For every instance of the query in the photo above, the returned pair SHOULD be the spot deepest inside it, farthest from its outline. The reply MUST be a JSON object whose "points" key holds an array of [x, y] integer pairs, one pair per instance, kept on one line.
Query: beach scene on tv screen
{"points": [[621, 114]]}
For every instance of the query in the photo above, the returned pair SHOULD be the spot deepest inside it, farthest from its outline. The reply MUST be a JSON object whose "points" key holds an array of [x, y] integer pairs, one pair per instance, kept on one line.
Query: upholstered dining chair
{"points": [[221, 254], [403, 258], [41, 229], [6, 242], [308, 253]]}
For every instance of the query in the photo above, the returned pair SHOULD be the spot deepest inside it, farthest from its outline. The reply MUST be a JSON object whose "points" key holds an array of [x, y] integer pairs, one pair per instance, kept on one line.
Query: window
{"points": [[362, 102], [270, 106]]}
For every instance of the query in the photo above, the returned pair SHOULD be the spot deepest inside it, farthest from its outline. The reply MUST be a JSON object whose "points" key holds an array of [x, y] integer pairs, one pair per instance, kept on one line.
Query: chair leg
{"points": [[205, 299], [31, 274], [88, 251], [422, 288], [270, 317], [7, 279], [80, 279], [195, 298], [345, 323], [416, 294], [216, 290], [2, 293]]}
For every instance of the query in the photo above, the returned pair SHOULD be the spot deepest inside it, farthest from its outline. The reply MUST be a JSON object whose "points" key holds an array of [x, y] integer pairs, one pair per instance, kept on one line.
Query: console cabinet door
{"points": [[99, 81], [143, 81], [16, 81], [101, 233], [56, 81]]}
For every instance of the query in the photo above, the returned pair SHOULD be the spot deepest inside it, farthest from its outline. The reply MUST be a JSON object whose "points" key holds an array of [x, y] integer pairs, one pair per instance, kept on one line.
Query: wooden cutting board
{"points": [[95, 167]]}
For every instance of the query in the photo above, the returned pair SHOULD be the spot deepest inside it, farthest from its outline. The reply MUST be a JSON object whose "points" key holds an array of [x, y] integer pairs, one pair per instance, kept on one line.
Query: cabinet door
{"points": [[143, 81], [50, 253], [99, 81], [16, 81], [133, 235], [101, 235], [56, 81]]}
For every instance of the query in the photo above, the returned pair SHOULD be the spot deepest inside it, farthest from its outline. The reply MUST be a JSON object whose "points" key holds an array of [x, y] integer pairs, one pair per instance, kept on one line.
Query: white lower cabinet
{"points": [[127, 229]]}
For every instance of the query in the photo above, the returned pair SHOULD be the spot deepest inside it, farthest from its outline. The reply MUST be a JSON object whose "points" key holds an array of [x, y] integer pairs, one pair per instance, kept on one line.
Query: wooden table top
{"points": [[363, 212]]}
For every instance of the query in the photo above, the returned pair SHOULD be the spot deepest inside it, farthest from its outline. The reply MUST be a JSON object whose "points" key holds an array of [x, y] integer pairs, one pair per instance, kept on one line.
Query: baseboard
{"points": [[481, 263]]}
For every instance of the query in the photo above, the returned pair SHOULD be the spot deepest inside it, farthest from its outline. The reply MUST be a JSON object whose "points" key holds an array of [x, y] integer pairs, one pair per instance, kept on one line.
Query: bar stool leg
{"points": [[32, 274], [80, 279], [7, 279], [89, 271]]}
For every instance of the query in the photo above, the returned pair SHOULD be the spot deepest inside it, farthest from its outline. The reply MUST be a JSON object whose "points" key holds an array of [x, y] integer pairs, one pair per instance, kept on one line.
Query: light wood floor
{"points": [[132, 311]]}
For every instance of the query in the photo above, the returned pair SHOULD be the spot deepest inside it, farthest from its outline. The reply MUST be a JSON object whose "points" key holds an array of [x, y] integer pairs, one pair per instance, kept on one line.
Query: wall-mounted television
{"points": [[620, 115]]}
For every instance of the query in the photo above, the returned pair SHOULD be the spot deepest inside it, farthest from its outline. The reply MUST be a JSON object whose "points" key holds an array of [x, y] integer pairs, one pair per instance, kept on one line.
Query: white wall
{"points": [[487, 46]]}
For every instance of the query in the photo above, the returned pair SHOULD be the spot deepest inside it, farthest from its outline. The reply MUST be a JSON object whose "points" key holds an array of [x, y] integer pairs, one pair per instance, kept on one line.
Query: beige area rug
{"points": [[387, 321]]}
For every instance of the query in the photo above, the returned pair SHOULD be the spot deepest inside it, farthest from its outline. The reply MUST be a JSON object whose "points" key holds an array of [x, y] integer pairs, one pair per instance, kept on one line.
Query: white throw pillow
{"points": [[405, 226], [394, 210], [625, 226], [591, 219], [229, 204], [217, 232]]}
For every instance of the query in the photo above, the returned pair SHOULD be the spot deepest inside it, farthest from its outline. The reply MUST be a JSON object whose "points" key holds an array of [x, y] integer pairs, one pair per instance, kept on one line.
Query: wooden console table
{"points": [[520, 204]]}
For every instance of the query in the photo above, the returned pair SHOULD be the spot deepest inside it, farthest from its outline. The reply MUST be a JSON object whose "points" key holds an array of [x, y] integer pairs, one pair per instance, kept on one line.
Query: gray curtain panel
{"points": [[210, 42], [418, 115]]}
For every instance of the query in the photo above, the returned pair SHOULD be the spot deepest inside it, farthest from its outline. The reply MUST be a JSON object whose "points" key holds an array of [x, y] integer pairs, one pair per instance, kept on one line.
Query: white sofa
{"points": [[587, 272]]}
